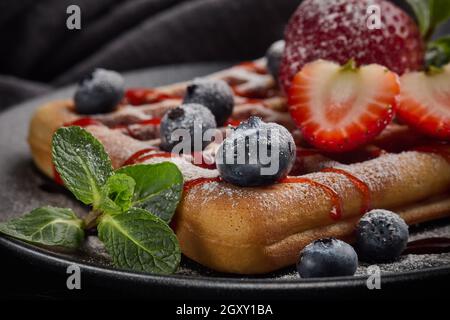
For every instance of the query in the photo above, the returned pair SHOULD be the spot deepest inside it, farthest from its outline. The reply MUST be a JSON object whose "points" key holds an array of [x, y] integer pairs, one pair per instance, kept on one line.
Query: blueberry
{"points": [[273, 56], [381, 236], [216, 95], [195, 119], [327, 258], [100, 92], [256, 154]]}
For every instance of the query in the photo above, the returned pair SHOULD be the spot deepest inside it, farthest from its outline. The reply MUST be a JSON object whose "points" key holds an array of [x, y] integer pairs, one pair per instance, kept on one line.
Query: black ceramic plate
{"points": [[23, 188]]}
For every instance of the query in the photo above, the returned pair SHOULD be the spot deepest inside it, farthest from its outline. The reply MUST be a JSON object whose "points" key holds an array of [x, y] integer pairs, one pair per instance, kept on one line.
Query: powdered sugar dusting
{"points": [[410, 262], [189, 171], [392, 167], [269, 198], [118, 146]]}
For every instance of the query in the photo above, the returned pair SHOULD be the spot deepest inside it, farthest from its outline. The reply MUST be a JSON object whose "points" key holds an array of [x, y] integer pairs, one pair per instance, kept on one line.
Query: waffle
{"points": [[262, 229]]}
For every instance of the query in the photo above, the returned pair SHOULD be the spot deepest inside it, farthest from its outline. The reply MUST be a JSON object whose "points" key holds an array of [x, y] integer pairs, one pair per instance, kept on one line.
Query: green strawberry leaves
{"points": [[48, 226], [440, 12], [82, 163], [430, 14], [438, 54], [422, 11], [158, 187], [139, 241], [132, 206]]}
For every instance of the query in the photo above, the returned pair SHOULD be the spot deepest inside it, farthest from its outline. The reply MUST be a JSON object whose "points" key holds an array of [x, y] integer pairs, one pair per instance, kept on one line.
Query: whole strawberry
{"points": [[339, 30]]}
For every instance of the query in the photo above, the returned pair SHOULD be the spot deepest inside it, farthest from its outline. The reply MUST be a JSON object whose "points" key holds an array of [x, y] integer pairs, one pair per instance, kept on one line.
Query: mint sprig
{"points": [[131, 207], [47, 226]]}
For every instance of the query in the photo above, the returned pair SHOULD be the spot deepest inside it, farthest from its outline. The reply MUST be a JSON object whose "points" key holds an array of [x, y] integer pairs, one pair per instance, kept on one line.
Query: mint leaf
{"points": [[117, 194], [82, 163], [158, 187], [430, 14], [140, 241], [48, 226]]}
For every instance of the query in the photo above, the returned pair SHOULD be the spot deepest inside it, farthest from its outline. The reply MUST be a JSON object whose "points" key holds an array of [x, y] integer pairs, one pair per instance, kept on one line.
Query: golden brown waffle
{"points": [[257, 230]]}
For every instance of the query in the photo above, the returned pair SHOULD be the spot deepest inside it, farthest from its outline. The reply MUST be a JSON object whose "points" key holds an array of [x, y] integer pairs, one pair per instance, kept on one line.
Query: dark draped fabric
{"points": [[38, 53]]}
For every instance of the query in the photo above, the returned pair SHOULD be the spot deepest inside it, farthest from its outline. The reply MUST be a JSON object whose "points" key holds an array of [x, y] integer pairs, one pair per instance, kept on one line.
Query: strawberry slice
{"points": [[424, 102], [340, 108]]}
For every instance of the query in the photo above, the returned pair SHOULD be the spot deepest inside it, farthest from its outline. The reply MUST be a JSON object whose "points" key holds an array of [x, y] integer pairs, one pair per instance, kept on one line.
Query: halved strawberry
{"points": [[339, 108], [424, 102]]}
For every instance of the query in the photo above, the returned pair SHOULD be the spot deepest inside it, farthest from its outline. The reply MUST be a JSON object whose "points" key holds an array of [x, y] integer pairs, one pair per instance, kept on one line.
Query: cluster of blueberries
{"points": [[380, 235], [207, 104]]}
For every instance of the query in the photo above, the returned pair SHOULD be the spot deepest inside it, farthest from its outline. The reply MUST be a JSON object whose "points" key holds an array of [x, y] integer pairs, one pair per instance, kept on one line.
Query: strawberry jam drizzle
{"points": [[139, 96], [232, 122], [156, 155], [145, 154], [142, 155], [83, 122], [361, 185], [336, 212], [192, 183], [152, 121], [307, 152]]}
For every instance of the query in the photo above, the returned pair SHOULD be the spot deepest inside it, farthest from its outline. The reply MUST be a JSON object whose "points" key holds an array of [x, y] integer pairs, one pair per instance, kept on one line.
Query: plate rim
{"points": [[55, 261]]}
